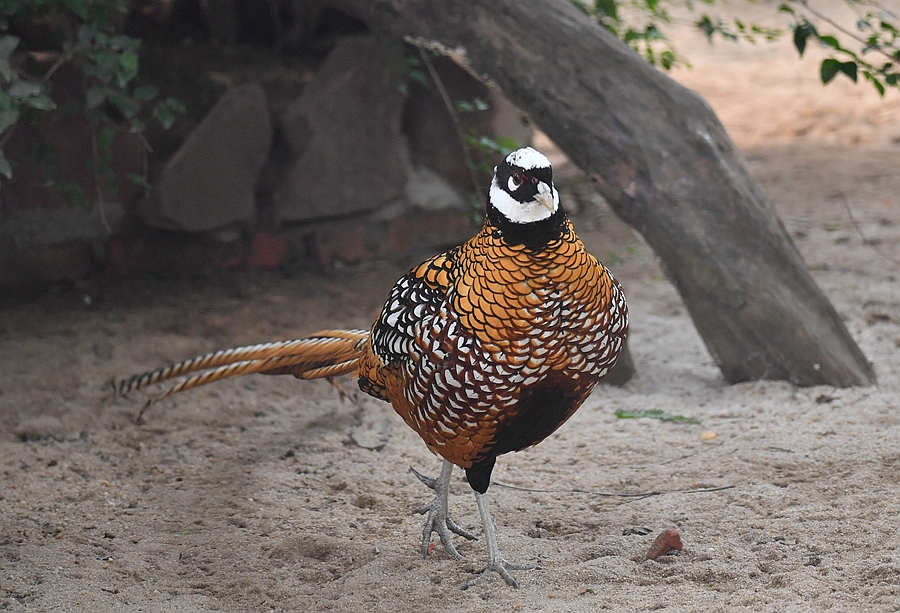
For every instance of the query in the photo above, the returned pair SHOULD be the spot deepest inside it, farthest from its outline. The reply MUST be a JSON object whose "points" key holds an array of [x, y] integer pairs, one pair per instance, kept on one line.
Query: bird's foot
{"points": [[502, 568], [496, 562], [437, 519]]}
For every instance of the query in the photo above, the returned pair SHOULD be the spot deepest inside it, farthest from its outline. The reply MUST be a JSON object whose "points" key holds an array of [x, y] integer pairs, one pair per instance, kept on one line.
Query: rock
{"points": [[38, 246], [211, 181], [40, 428], [668, 540], [344, 133], [426, 189], [34, 226], [48, 263], [386, 234]]}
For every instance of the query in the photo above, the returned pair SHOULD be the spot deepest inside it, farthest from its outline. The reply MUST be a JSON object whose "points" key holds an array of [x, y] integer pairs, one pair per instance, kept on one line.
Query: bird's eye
{"points": [[516, 180]]}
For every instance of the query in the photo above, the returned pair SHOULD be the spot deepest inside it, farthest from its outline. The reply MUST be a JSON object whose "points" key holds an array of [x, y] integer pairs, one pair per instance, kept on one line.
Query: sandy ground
{"points": [[253, 496]]}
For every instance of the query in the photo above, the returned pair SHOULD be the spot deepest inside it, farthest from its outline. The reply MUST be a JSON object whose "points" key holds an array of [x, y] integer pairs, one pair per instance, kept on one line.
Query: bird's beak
{"points": [[545, 196]]}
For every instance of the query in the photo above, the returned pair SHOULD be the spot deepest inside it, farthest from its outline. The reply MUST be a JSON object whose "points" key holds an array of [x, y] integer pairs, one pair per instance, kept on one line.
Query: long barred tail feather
{"points": [[328, 353]]}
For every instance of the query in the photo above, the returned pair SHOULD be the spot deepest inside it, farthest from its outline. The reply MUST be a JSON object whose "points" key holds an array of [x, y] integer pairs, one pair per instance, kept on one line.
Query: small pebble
{"points": [[708, 435], [667, 541]]}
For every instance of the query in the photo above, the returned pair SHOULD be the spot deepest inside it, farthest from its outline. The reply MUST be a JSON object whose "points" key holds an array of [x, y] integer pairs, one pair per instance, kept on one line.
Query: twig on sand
{"points": [[637, 496], [870, 244]]}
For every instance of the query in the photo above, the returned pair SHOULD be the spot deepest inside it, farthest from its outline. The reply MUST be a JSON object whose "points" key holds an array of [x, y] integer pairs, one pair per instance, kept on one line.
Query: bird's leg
{"points": [[496, 562], [438, 519]]}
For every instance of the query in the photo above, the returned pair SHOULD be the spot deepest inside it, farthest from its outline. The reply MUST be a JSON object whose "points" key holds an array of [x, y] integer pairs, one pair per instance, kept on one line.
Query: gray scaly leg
{"points": [[438, 519], [496, 562]]}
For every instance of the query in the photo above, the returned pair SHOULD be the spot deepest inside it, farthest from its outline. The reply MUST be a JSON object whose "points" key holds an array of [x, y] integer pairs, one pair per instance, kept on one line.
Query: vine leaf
{"points": [[830, 67], [802, 32]]}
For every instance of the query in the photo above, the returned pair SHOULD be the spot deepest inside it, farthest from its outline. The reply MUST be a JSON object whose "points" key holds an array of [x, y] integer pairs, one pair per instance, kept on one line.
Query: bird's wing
{"points": [[421, 292]]}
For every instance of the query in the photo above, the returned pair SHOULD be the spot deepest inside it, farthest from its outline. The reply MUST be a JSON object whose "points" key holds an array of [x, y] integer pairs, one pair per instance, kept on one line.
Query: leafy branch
{"points": [[640, 24], [109, 62], [471, 138], [16, 94], [878, 33], [737, 32], [637, 24]]}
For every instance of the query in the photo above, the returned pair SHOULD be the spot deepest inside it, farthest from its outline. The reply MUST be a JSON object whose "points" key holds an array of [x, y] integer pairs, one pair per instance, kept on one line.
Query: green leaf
{"points": [[488, 143], [128, 61], [85, 33], [801, 33], [507, 145], [582, 7], [41, 102], [850, 69], [105, 139], [8, 117], [23, 89], [828, 69], [830, 41], [667, 59], [79, 7], [706, 25], [145, 92], [166, 112], [419, 77], [138, 180], [5, 168], [6, 70], [608, 8], [135, 125], [656, 414], [95, 96], [128, 106], [8, 44]]}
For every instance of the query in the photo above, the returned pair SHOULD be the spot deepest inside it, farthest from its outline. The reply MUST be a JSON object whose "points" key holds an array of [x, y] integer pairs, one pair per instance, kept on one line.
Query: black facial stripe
{"points": [[528, 190]]}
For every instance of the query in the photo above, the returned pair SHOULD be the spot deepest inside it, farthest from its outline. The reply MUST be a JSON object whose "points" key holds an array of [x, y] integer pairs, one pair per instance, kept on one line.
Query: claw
{"points": [[430, 482], [438, 519], [502, 568], [460, 531]]}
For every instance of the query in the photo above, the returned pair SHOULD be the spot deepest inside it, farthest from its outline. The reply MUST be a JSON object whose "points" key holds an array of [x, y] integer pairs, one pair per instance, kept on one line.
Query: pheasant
{"points": [[484, 349]]}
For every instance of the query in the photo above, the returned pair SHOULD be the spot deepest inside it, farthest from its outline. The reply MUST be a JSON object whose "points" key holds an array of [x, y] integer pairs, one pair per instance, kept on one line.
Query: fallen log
{"points": [[663, 161]]}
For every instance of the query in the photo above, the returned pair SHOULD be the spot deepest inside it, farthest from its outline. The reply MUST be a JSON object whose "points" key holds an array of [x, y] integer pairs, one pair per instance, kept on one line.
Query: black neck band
{"points": [[534, 235]]}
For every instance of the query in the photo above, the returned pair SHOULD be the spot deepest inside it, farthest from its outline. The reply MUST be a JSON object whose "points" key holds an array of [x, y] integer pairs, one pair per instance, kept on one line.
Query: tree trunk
{"points": [[662, 160]]}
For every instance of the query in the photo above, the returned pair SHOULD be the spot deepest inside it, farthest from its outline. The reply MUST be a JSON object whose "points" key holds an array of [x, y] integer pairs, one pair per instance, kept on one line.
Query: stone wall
{"points": [[332, 151]]}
